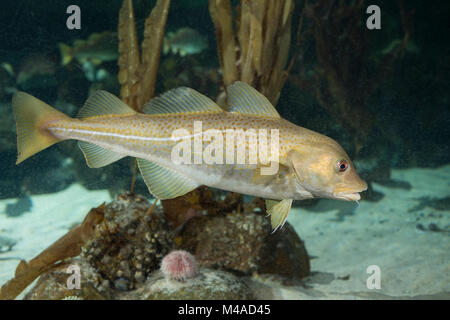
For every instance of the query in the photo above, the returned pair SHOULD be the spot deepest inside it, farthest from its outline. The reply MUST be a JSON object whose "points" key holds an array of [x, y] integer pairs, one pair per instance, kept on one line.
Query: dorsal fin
{"points": [[245, 99], [103, 102], [181, 100]]}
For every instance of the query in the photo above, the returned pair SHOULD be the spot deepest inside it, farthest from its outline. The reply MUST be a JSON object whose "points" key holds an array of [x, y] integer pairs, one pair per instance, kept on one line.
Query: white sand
{"points": [[413, 263]]}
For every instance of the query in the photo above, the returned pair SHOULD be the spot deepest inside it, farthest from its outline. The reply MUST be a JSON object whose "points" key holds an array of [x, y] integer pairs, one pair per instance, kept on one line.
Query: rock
{"points": [[53, 285], [244, 243], [20, 206], [285, 254], [121, 259], [185, 207], [130, 243], [209, 284]]}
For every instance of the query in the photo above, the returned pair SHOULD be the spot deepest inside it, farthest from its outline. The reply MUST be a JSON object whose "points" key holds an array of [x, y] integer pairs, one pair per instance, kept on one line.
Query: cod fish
{"points": [[308, 165], [97, 48], [185, 41]]}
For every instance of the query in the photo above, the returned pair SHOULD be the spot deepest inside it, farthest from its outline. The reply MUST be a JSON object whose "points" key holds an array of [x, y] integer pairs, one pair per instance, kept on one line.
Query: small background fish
{"points": [[184, 41], [99, 47]]}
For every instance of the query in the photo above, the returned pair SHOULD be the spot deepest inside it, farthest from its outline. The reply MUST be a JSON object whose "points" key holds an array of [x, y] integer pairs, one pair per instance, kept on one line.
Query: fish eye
{"points": [[341, 165]]}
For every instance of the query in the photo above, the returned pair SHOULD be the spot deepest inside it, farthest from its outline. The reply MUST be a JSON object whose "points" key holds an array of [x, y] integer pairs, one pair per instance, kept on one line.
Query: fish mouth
{"points": [[347, 196]]}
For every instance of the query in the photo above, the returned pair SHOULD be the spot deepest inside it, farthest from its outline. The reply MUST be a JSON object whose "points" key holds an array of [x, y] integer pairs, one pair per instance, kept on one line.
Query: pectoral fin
{"points": [[273, 172], [164, 183], [279, 211]]}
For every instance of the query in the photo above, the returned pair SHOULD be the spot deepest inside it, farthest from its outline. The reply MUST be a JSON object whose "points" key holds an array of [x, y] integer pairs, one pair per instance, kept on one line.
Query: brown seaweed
{"points": [[129, 56], [221, 15], [256, 52], [138, 71], [151, 49]]}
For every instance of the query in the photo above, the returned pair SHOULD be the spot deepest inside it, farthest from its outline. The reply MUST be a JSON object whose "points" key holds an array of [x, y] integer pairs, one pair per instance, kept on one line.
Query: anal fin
{"points": [[96, 156], [164, 183], [278, 211]]}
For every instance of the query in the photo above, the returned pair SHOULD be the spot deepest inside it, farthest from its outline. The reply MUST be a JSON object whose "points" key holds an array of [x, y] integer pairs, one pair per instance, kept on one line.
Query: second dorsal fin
{"points": [[245, 99], [181, 100], [102, 103]]}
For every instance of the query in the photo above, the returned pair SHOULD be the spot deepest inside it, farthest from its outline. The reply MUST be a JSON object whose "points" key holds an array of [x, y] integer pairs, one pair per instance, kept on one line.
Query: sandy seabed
{"points": [[403, 235]]}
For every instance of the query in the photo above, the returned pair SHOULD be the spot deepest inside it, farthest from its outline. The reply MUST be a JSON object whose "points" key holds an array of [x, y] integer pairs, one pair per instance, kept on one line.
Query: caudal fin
{"points": [[31, 117]]}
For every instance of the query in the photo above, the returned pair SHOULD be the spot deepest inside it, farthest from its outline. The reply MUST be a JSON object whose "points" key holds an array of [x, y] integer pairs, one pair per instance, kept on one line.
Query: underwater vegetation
{"points": [[138, 70], [256, 51]]}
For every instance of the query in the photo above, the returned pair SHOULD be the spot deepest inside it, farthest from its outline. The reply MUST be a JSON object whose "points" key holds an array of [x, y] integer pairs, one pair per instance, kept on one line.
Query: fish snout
{"points": [[361, 185]]}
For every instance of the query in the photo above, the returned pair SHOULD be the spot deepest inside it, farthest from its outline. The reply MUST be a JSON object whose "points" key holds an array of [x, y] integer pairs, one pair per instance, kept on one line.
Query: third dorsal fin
{"points": [[181, 100], [245, 99]]}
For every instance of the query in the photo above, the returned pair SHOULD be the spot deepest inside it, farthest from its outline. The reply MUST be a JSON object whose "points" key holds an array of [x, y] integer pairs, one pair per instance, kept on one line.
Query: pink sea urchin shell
{"points": [[179, 265]]}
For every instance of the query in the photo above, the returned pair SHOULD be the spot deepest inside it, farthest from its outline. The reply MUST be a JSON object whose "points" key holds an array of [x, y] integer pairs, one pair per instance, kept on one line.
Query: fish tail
{"points": [[31, 116], [66, 54]]}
